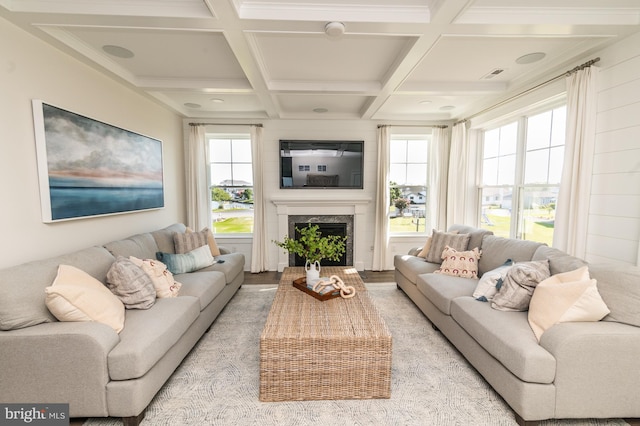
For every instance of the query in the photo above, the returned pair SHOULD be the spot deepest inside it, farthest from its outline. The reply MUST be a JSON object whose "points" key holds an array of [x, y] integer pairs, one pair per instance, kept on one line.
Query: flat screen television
{"points": [[321, 164]]}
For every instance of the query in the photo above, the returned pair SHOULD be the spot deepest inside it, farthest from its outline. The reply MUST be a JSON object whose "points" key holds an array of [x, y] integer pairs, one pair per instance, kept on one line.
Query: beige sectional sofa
{"points": [[99, 372], [576, 370]]}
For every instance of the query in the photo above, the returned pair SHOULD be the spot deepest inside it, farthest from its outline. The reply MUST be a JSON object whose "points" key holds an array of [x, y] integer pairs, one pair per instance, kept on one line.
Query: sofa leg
{"points": [[523, 422], [133, 421]]}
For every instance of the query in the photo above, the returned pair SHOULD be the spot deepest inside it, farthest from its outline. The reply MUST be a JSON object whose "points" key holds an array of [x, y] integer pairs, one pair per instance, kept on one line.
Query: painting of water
{"points": [[89, 168]]}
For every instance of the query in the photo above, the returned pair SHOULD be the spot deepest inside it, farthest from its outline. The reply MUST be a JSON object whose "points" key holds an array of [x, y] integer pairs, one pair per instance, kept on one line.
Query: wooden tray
{"points": [[301, 284]]}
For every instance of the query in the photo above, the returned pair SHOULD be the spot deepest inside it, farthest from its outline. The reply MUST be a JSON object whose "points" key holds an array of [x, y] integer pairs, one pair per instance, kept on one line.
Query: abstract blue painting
{"points": [[89, 168]]}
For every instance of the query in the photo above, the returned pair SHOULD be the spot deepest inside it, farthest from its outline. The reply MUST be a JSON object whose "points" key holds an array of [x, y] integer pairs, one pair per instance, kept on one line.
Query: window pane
{"points": [[556, 162], [490, 172], [509, 139], [220, 173], [496, 210], [491, 143], [539, 131], [220, 150], [416, 174], [241, 151], [398, 173], [507, 170], [398, 151], [410, 215], [537, 166], [559, 126], [417, 152], [538, 214], [242, 174]]}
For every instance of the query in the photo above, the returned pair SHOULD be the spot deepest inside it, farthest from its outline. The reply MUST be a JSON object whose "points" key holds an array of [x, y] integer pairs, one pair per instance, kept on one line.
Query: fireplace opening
{"points": [[339, 229]]}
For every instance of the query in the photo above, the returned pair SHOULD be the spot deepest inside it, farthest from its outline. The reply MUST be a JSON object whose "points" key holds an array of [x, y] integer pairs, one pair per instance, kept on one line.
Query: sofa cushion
{"points": [[475, 234], [559, 261], [619, 286], [519, 284], [460, 263], [149, 334], [507, 337], [22, 303], [565, 297], [412, 266], [77, 296], [142, 246], [232, 266], [131, 284], [164, 237], [187, 262], [205, 285], [497, 250], [440, 240], [162, 278], [442, 289]]}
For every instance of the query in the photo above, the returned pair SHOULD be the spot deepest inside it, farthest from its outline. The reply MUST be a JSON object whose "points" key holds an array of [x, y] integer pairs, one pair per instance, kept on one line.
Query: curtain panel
{"points": [[259, 252], [381, 230], [438, 171], [458, 176], [197, 192]]}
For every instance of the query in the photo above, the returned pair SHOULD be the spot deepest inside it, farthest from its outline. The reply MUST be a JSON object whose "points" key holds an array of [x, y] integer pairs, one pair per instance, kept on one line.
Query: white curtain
{"points": [[570, 232], [381, 230], [197, 192], [259, 251], [458, 175], [439, 165]]}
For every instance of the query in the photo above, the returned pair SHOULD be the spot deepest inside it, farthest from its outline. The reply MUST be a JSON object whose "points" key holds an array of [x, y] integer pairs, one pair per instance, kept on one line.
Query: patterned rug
{"points": [[432, 384]]}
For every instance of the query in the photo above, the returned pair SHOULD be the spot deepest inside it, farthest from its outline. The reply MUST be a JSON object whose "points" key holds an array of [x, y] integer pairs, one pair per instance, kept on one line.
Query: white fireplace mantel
{"points": [[287, 206]]}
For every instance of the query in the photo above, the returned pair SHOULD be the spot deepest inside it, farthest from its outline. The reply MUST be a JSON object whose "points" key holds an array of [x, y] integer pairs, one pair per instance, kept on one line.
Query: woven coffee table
{"points": [[334, 349]]}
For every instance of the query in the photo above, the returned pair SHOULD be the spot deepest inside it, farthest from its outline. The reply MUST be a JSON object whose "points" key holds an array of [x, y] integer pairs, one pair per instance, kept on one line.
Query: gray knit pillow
{"points": [[439, 240], [189, 241], [131, 284], [519, 284]]}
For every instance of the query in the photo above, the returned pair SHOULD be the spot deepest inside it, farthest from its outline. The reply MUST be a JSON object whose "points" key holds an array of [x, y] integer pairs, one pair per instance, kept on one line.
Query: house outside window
{"points": [[408, 170], [231, 184], [521, 172]]}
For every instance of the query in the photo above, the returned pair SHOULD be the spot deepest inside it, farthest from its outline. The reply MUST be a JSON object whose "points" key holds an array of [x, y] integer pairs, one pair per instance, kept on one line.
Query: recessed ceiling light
{"points": [[118, 51], [530, 58], [192, 105], [447, 108], [320, 110], [425, 102], [216, 100], [334, 29]]}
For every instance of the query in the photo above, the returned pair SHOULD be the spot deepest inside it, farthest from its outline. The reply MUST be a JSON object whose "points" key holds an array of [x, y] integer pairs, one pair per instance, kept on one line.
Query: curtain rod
{"points": [[544, 83], [434, 126], [226, 124]]}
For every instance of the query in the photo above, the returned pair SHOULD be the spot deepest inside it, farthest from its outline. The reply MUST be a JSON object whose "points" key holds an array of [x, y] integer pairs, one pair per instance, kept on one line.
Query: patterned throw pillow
{"points": [[190, 240], [519, 284], [131, 284], [427, 245], [460, 263], [188, 262], [163, 281], [491, 282], [440, 240]]}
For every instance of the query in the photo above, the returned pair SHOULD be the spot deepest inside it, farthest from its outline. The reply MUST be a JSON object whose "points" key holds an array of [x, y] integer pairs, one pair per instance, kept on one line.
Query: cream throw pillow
{"points": [[566, 297], [162, 278], [460, 263], [77, 296]]}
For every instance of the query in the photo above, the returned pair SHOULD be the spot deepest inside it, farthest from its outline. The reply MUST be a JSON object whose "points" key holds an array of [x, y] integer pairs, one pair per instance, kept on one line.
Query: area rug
{"points": [[432, 384]]}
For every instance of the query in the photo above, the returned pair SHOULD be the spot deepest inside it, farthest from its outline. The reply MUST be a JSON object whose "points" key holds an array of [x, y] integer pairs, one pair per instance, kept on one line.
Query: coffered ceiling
{"points": [[395, 60]]}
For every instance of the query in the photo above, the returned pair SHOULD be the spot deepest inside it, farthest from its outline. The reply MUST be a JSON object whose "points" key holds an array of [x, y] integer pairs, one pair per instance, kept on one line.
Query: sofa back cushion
{"points": [[559, 261], [497, 250], [22, 303], [142, 246], [164, 237], [475, 234], [619, 287]]}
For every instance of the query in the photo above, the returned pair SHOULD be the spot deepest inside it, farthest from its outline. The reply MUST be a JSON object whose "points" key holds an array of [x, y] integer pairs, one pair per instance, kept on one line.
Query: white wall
{"points": [[30, 69], [614, 213]]}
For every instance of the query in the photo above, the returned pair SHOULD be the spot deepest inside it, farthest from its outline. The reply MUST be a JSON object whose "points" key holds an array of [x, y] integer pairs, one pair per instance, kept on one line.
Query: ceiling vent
{"points": [[493, 73]]}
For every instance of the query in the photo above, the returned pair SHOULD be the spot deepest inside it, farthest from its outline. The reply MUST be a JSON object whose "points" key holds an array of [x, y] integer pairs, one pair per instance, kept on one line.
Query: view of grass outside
{"points": [[533, 229], [232, 225]]}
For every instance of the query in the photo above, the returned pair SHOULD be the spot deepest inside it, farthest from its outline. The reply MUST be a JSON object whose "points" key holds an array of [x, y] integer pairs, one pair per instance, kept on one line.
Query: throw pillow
{"points": [[190, 240], [491, 282], [460, 263], [518, 285], [131, 284], [77, 296], [439, 240], [163, 281], [188, 262], [427, 245], [566, 297]]}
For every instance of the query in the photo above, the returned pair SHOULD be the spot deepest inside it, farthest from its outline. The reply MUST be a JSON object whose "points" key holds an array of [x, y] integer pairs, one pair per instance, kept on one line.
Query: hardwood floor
{"points": [[273, 277]]}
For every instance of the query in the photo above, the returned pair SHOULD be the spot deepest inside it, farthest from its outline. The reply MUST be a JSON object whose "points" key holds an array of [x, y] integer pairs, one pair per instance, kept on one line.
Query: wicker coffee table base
{"points": [[313, 350]]}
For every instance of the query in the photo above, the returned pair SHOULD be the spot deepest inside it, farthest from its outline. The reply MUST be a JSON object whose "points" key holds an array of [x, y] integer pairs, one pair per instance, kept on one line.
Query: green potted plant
{"points": [[313, 247]]}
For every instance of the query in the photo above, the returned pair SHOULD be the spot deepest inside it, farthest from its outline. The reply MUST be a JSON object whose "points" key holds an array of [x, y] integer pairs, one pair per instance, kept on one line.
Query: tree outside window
{"points": [[231, 184]]}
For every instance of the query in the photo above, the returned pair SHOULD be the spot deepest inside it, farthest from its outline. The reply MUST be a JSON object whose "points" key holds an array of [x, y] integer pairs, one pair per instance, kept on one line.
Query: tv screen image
{"points": [[321, 164]]}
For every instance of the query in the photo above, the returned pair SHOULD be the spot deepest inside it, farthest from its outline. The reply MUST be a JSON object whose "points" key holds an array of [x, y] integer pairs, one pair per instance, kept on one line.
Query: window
{"points": [[408, 166], [231, 184], [521, 172]]}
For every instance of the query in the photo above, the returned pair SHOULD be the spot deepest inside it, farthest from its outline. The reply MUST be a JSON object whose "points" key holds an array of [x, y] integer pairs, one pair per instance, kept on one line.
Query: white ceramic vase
{"points": [[313, 271]]}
